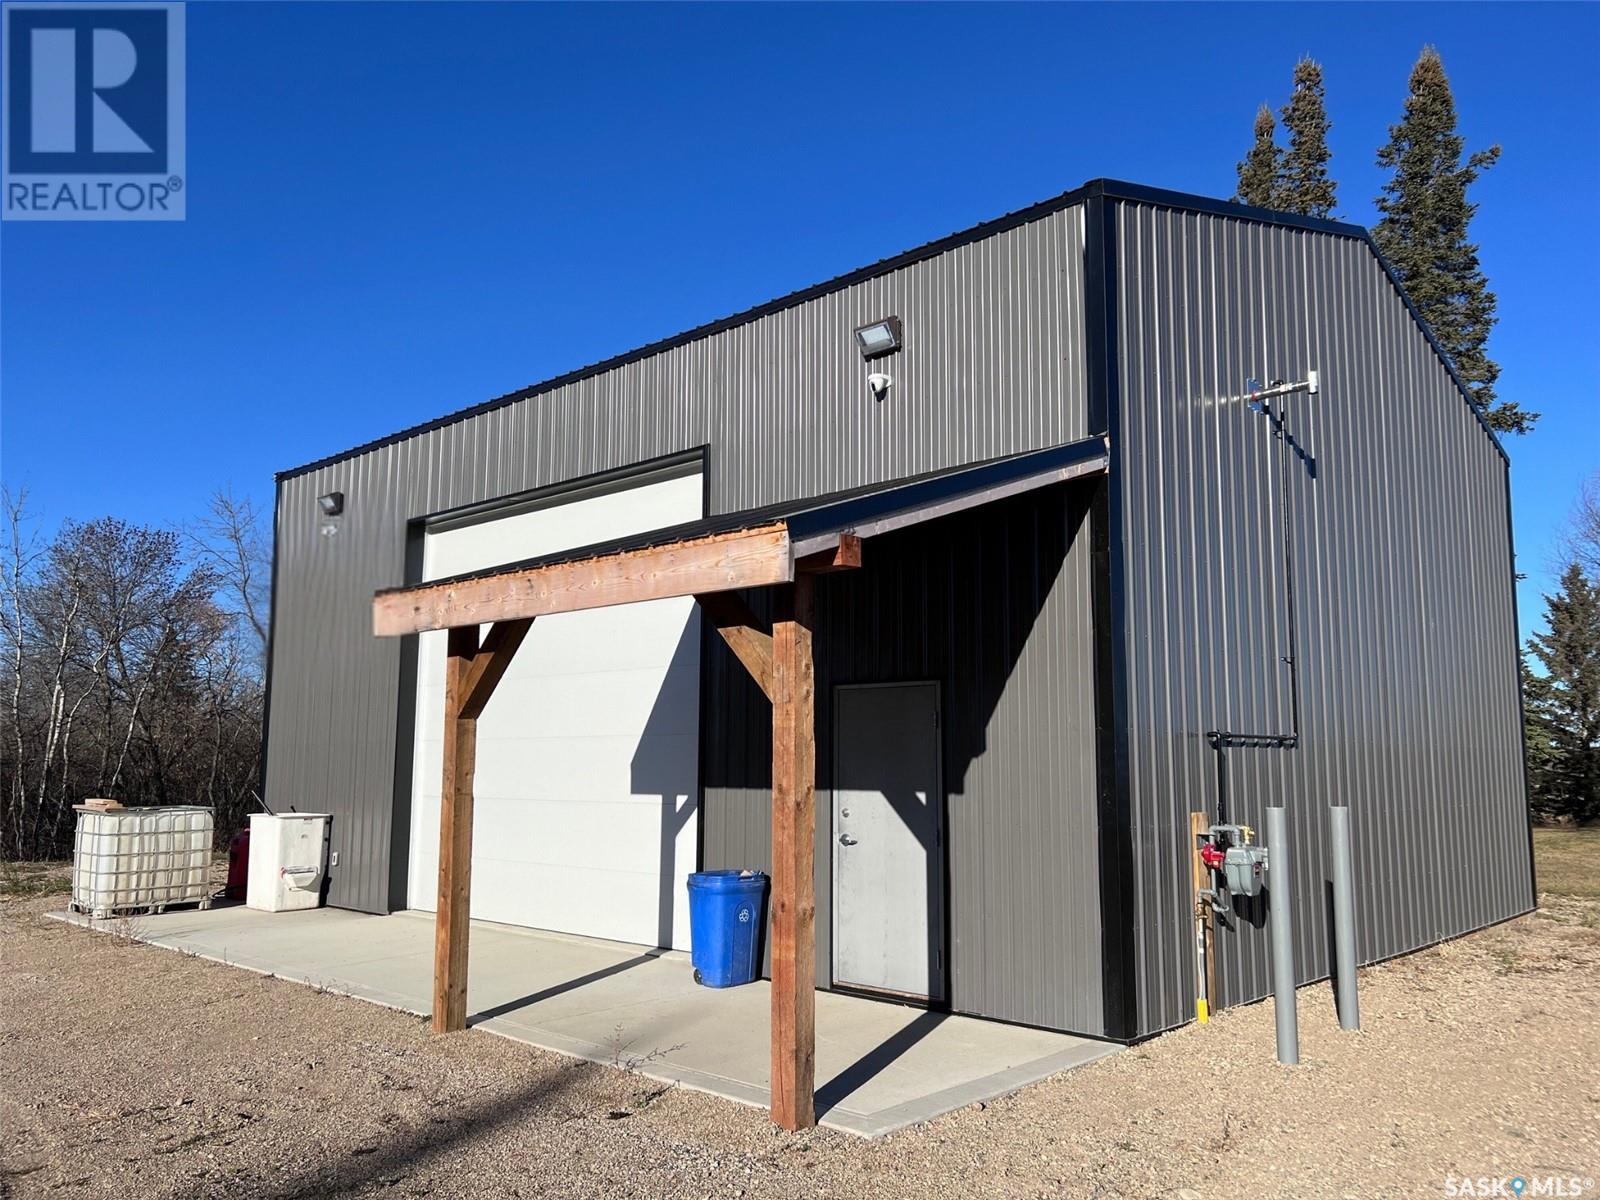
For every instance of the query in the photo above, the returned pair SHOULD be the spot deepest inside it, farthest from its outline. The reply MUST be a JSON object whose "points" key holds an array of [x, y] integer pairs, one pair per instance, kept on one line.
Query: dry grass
{"points": [[20, 880], [1568, 862]]}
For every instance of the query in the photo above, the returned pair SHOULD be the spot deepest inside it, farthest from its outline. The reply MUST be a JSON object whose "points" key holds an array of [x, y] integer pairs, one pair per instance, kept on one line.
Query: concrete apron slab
{"points": [[879, 1066]]}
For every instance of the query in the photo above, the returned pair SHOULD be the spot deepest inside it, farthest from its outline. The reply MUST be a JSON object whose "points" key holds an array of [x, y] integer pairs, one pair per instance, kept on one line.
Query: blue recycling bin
{"points": [[725, 926]]}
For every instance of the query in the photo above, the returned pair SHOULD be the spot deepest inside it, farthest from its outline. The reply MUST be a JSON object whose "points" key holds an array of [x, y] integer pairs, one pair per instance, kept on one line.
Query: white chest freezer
{"points": [[288, 856]]}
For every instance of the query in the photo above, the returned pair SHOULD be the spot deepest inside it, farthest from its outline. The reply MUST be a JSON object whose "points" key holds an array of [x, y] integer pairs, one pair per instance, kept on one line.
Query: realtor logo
{"points": [[93, 121]]}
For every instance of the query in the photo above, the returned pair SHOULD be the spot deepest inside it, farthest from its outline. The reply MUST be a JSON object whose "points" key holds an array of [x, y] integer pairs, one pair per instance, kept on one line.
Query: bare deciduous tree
{"points": [[230, 539], [1583, 534], [133, 669]]}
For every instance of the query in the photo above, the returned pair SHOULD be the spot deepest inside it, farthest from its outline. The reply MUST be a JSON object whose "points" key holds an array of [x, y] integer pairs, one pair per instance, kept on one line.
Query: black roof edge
{"points": [[809, 517], [871, 271], [1113, 188], [1140, 194]]}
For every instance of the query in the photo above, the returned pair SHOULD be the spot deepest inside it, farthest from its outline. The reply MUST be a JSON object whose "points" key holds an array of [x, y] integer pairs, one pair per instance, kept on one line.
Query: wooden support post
{"points": [[1205, 927], [471, 673], [455, 839], [794, 763]]}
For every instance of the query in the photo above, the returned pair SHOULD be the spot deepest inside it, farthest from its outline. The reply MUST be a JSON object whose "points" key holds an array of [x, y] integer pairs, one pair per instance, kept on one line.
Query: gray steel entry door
{"points": [[888, 847]]}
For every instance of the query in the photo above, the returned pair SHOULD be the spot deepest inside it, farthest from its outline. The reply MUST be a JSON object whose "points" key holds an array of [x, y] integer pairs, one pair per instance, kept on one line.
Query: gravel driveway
{"points": [[132, 1071]]}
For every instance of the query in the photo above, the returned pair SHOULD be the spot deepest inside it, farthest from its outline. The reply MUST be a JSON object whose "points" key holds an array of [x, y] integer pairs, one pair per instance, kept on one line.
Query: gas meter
{"points": [[1228, 851]]}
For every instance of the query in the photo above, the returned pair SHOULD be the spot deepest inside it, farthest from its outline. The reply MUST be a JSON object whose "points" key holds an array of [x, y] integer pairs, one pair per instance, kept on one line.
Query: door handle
{"points": [[846, 840]]}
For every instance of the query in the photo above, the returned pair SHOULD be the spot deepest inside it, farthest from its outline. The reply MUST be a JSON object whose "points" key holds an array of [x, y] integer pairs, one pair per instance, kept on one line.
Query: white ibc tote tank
{"points": [[287, 856], [141, 858]]}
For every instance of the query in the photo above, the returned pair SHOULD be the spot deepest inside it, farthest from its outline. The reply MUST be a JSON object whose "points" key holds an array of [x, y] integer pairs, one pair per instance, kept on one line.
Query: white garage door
{"points": [[588, 752]]}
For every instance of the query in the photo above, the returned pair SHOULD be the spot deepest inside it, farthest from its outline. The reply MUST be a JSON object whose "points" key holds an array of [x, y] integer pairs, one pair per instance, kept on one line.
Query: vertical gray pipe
{"points": [[1280, 881], [1344, 918]]}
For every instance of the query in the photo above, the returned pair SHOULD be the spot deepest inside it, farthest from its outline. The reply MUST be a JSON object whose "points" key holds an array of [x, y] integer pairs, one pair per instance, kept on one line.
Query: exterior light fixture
{"points": [[878, 338], [331, 505]]}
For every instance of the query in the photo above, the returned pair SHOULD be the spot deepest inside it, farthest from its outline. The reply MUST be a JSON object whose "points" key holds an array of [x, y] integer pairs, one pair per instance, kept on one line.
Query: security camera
{"points": [[879, 384]]}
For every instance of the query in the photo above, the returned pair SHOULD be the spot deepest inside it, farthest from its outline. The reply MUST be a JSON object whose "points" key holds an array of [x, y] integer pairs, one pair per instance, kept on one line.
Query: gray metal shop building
{"points": [[988, 565]]}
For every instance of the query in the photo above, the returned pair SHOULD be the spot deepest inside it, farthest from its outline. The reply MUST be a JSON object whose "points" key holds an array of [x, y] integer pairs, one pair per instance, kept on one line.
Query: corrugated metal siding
{"points": [[995, 606], [992, 364], [1406, 638]]}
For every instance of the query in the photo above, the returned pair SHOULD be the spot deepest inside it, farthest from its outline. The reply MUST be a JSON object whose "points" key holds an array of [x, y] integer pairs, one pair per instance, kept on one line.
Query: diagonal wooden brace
{"points": [[750, 642]]}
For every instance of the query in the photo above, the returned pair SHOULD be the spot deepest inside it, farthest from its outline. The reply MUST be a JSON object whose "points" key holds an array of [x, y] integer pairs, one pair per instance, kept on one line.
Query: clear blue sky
{"points": [[399, 210]]}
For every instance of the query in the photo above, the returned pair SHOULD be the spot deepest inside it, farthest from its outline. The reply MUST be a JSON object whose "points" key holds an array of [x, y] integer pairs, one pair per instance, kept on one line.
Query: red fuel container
{"points": [[238, 865]]}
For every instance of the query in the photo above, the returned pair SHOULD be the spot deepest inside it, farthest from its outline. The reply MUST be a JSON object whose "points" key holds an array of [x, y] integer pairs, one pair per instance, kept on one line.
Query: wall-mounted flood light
{"points": [[330, 505], [879, 338]]}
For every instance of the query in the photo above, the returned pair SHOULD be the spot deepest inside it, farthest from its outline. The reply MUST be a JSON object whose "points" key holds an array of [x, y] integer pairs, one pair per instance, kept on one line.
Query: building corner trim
{"points": [[272, 635], [1119, 947]]}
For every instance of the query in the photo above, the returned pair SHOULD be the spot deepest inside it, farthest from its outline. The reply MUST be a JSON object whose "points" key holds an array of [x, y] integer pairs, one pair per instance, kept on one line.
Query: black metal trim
{"points": [[1161, 198], [496, 506], [702, 702], [884, 266], [818, 517], [1109, 188], [837, 511], [272, 633], [1141, 193], [1444, 359], [403, 775], [1118, 937]]}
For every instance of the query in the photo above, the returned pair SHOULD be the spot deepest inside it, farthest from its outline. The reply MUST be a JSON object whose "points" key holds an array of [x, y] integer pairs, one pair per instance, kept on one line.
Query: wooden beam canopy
{"points": [[782, 663], [712, 568], [717, 563], [815, 536], [780, 660]]}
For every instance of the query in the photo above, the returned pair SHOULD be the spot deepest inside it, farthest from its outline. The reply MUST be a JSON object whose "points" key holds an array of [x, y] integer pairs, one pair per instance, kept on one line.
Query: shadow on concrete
{"points": [[559, 989], [875, 1061]]}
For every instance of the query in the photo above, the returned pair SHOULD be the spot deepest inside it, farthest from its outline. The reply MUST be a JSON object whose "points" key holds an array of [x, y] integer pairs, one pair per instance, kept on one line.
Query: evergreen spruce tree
{"points": [[1258, 173], [1538, 739], [1304, 185], [1423, 233], [1563, 703]]}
